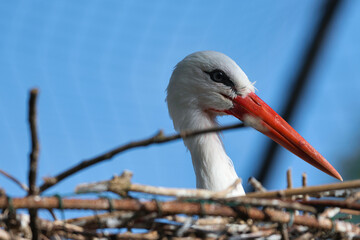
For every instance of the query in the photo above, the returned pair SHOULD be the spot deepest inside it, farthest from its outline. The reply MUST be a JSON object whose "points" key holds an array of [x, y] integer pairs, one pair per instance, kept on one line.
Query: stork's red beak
{"points": [[255, 112]]}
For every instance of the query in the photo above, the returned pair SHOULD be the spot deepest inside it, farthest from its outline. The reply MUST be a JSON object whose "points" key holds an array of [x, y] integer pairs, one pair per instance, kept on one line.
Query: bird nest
{"points": [[308, 212]]}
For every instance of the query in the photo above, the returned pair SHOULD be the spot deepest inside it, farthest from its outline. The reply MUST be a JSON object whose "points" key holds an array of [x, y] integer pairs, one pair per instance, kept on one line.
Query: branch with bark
{"points": [[188, 208], [34, 155], [158, 138]]}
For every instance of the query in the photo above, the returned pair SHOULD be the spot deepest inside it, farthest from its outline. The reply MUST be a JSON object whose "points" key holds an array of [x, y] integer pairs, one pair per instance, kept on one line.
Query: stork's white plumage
{"points": [[207, 84]]}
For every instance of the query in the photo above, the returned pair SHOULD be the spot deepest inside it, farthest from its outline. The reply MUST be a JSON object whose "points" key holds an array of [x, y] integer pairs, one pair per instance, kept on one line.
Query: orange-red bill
{"points": [[255, 112]]}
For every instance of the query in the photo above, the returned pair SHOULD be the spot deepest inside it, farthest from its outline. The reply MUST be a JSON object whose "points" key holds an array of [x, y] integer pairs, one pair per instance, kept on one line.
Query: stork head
{"points": [[207, 81], [211, 83]]}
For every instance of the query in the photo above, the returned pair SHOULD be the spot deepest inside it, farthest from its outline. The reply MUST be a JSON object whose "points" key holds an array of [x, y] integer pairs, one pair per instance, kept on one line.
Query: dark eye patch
{"points": [[221, 77]]}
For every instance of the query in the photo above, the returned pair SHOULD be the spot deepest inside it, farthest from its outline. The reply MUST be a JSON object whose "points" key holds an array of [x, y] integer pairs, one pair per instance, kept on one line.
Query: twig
{"points": [[305, 236], [289, 184], [340, 193], [188, 208], [185, 227], [15, 223], [332, 203], [52, 226], [128, 235], [4, 235], [159, 138], [200, 221], [33, 160], [118, 218], [34, 142], [329, 212], [304, 179], [118, 186], [122, 185], [325, 224], [258, 235], [273, 203], [284, 232], [256, 185], [350, 211], [289, 179], [79, 229], [105, 220], [228, 190], [312, 190], [20, 184], [354, 197], [304, 184]]}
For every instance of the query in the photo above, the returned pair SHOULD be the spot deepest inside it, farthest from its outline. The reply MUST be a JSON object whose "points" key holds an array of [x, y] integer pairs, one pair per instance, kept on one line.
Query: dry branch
{"points": [[4, 235], [312, 190], [332, 203], [122, 185], [34, 142], [189, 208], [15, 180], [289, 179], [273, 203], [256, 185], [34, 155], [118, 218], [115, 219], [304, 184], [159, 138]]}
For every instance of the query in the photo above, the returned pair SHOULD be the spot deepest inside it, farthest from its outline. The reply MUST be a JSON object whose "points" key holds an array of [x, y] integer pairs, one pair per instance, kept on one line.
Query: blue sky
{"points": [[102, 68]]}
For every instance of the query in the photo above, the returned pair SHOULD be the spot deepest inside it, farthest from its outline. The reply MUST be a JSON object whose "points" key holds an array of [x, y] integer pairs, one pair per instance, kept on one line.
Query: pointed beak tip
{"points": [[257, 114], [335, 174], [340, 178]]}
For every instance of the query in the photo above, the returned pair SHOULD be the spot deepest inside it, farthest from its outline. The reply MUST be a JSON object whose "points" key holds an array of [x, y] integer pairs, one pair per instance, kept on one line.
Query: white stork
{"points": [[207, 84]]}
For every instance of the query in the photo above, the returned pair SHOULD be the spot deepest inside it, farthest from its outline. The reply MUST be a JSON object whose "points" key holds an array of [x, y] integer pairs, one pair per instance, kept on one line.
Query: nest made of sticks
{"points": [[308, 212], [316, 212]]}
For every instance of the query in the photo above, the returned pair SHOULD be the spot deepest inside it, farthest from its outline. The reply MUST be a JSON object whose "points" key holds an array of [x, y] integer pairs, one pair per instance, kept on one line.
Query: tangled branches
{"points": [[181, 213]]}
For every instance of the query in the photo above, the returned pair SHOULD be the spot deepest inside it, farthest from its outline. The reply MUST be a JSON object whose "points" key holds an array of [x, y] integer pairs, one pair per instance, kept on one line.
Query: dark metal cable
{"points": [[301, 80]]}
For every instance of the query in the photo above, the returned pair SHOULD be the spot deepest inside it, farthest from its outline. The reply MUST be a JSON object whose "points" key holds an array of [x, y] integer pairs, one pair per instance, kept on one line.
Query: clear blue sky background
{"points": [[102, 68]]}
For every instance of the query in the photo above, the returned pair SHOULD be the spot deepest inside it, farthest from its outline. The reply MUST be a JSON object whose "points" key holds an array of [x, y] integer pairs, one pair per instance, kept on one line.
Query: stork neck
{"points": [[213, 168]]}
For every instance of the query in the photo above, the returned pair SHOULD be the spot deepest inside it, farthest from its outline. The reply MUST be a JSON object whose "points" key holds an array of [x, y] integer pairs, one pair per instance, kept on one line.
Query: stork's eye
{"points": [[220, 77], [217, 76]]}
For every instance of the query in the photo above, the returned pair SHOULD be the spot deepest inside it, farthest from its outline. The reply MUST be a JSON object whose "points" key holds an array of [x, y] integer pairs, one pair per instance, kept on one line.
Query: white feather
{"points": [[194, 101]]}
